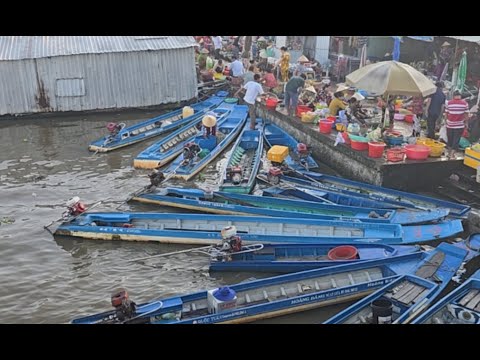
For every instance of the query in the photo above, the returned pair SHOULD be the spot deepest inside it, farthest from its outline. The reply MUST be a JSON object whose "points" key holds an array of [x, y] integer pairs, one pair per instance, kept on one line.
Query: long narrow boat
{"points": [[184, 168], [405, 298], [242, 167], [165, 150], [290, 190], [242, 204], [153, 127], [277, 136], [206, 229], [286, 258], [380, 193], [270, 297], [461, 306]]}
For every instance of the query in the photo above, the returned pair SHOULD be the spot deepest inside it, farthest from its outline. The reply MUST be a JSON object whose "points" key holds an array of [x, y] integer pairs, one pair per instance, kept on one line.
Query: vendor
{"points": [[354, 111], [301, 67], [269, 82], [337, 103], [350, 92], [308, 96], [284, 63]]}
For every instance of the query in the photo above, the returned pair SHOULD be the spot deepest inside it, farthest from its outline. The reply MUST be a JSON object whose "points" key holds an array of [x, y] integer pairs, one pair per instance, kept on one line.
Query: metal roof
{"points": [[34, 47], [475, 39]]}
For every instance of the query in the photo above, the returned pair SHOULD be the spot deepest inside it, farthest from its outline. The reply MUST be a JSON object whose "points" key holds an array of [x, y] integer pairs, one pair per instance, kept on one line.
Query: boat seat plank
{"points": [[412, 295], [430, 268], [468, 297], [472, 304], [406, 287], [350, 277], [334, 284]]}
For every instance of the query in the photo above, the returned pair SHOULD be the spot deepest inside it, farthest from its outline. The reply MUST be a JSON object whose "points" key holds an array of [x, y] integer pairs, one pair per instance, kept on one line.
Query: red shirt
{"points": [[456, 110], [270, 80]]}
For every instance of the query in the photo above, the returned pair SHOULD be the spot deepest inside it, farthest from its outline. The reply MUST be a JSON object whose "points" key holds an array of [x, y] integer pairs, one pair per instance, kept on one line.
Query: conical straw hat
{"points": [[341, 87], [446, 43], [209, 120], [311, 89], [303, 58]]}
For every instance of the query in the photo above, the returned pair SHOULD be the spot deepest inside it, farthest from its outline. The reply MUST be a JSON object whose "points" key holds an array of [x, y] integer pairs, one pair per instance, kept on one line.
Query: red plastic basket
{"points": [[395, 154]]}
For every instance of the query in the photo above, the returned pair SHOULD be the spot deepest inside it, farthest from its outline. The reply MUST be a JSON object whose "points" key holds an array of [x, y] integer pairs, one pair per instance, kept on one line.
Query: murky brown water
{"points": [[44, 162]]}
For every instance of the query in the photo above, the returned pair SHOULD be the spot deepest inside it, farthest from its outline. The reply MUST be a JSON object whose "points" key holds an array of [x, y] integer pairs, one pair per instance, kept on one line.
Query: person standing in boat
{"points": [[253, 90], [209, 123]]}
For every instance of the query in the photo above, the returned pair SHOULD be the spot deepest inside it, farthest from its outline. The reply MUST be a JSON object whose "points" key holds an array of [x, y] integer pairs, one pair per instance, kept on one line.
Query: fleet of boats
{"points": [[335, 240]]}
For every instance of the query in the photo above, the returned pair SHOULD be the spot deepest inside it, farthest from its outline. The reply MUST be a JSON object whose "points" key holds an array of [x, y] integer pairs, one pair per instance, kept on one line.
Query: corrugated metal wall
{"points": [[97, 81], [322, 49]]}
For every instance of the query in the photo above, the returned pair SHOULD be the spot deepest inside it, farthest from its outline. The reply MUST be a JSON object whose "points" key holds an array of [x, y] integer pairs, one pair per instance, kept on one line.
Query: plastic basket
{"points": [[395, 154]]}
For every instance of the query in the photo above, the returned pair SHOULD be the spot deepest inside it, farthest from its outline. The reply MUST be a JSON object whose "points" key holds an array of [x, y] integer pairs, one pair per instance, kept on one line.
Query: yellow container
{"points": [[277, 153], [308, 117], [340, 127], [436, 149], [187, 111], [471, 158]]}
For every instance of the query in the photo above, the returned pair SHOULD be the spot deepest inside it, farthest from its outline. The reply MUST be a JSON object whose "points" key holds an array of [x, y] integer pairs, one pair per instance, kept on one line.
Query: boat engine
{"points": [[114, 128], [231, 242], [124, 307], [273, 175], [74, 207], [303, 154], [190, 152], [156, 178], [234, 173]]}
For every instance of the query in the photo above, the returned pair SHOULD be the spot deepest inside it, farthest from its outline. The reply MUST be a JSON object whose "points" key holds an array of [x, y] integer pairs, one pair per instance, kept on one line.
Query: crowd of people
{"points": [[264, 71]]}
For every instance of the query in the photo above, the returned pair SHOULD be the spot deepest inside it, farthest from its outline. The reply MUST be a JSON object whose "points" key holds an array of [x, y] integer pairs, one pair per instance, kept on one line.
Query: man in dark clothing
{"points": [[292, 90], [435, 106]]}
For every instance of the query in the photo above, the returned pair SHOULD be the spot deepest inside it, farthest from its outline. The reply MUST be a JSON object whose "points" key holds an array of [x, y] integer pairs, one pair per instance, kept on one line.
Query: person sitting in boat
{"points": [[230, 241], [209, 123], [156, 177], [190, 152], [114, 128]]}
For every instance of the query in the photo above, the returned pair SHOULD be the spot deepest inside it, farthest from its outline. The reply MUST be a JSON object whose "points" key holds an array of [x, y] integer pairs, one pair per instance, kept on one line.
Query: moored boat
{"points": [[190, 163], [165, 150], [243, 204], [266, 298], [299, 157], [285, 258], [244, 161], [461, 306], [405, 298], [122, 135], [387, 195], [205, 229]]}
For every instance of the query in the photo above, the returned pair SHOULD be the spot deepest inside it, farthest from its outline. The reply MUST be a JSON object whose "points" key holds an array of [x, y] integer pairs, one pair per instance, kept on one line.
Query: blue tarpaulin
{"points": [[422, 38]]}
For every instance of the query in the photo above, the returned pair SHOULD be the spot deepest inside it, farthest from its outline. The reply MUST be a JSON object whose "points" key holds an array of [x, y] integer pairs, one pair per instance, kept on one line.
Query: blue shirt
{"points": [[436, 102], [236, 68]]}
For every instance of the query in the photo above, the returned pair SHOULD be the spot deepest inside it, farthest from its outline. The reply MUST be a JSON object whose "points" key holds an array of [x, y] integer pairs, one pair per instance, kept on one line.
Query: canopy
{"points": [[391, 77]]}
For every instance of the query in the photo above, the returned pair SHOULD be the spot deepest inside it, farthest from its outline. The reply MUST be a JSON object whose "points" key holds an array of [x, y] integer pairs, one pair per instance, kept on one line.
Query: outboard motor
{"points": [[74, 207], [156, 178], [235, 174], [231, 242], [114, 128], [303, 154], [124, 307], [273, 175], [190, 152]]}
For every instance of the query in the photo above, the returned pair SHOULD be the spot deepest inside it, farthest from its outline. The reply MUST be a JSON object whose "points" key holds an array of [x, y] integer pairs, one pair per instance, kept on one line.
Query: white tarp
{"points": [[475, 39]]}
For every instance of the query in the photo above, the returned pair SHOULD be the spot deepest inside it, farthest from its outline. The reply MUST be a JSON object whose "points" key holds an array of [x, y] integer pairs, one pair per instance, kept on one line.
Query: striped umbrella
{"points": [[462, 72]]}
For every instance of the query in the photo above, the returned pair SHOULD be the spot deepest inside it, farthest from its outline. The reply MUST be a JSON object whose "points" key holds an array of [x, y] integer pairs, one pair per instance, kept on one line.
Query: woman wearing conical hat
{"points": [[209, 123], [301, 67]]}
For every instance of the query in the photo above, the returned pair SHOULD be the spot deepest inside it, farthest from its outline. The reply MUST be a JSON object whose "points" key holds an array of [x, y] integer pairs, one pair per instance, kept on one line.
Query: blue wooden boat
{"points": [[243, 204], [391, 196], [153, 127], [227, 131], [244, 161], [275, 296], [402, 300], [286, 258], [168, 148], [205, 229], [461, 306], [290, 190], [277, 136]]}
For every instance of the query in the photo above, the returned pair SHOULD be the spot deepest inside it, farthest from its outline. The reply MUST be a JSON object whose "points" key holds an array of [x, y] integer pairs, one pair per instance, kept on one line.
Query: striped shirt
{"points": [[456, 110]]}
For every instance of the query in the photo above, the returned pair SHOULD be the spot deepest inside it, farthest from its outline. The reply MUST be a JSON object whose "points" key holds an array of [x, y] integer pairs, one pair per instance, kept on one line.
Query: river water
{"points": [[44, 161]]}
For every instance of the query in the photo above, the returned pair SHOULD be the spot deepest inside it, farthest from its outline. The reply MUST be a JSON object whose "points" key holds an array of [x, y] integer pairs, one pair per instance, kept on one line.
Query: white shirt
{"points": [[253, 90], [236, 68], [217, 42]]}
